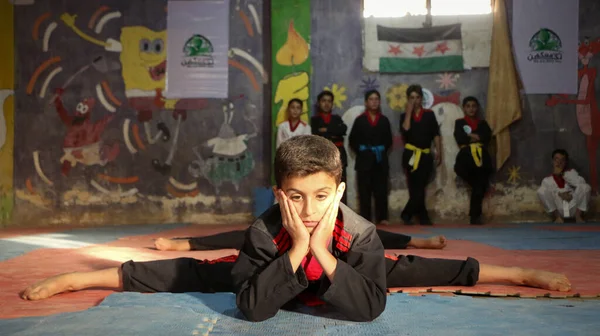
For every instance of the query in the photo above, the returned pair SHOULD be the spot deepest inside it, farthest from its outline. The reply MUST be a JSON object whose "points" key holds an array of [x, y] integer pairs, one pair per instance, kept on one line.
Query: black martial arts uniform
{"points": [[371, 140], [263, 279], [335, 131], [235, 240], [473, 162], [417, 162]]}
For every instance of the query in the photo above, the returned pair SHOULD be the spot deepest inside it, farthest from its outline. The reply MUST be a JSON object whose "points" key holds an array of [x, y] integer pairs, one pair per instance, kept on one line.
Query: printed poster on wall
{"points": [[545, 35], [197, 49]]}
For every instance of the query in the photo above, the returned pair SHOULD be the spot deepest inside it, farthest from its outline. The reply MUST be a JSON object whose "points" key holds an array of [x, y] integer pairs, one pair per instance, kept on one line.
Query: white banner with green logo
{"points": [[545, 35], [197, 49]]}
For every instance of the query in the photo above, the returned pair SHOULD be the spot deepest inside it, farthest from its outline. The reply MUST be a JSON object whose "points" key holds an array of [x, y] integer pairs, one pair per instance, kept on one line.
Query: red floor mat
{"points": [[582, 268]]}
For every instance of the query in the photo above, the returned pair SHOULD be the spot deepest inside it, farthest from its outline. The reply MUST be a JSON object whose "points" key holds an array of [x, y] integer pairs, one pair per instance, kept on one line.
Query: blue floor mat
{"points": [[216, 314], [15, 246], [525, 238]]}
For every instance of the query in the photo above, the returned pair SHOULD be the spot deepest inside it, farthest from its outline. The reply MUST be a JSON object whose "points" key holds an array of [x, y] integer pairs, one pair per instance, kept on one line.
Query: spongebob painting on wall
{"points": [[143, 57]]}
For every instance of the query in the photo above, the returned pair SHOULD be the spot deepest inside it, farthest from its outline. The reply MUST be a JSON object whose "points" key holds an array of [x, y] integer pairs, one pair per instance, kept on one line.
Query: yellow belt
{"points": [[417, 154], [476, 152]]}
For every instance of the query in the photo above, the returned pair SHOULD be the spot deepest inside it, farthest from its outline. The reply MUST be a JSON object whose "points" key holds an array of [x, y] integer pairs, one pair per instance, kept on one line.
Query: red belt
{"points": [[339, 144]]}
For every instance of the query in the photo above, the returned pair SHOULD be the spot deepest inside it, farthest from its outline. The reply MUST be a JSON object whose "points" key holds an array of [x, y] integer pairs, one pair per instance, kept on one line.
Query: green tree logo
{"points": [[197, 45], [545, 40]]}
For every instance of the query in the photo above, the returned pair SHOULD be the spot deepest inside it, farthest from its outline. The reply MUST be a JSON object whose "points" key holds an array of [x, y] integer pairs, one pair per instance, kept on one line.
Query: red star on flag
{"points": [[394, 49], [419, 51], [442, 47]]}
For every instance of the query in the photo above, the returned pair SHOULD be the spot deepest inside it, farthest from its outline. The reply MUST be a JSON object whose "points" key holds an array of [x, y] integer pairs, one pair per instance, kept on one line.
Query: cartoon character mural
{"points": [[588, 114], [83, 143], [143, 61], [229, 159], [291, 68], [447, 110], [4, 95]]}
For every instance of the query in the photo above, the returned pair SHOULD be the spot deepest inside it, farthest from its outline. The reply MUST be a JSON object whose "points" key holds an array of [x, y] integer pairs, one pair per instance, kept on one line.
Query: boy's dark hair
{"points": [[470, 99], [414, 88], [296, 100], [561, 152], [370, 92], [304, 155], [325, 93]]}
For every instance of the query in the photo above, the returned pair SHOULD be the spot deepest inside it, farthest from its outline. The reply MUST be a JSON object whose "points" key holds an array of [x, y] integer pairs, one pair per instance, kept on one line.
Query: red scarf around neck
{"points": [[326, 117], [372, 121], [472, 122], [560, 180], [292, 126], [418, 117]]}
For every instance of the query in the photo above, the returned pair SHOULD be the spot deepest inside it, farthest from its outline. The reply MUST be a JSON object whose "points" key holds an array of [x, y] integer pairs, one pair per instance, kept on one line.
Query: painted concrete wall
{"points": [[128, 165], [123, 177]]}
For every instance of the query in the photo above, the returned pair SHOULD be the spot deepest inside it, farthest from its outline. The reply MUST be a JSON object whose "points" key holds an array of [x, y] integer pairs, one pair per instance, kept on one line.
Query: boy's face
{"points": [[559, 162], [326, 104], [372, 102], [311, 196], [416, 99], [295, 110], [470, 108]]}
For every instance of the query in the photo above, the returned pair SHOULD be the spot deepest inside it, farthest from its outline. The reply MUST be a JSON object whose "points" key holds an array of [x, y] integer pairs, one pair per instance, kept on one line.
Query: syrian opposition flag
{"points": [[417, 50]]}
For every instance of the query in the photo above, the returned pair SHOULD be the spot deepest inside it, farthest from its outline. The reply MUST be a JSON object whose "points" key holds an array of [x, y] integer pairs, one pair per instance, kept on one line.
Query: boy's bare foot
{"points": [[165, 244], [559, 220], [104, 278], [546, 280], [578, 217], [434, 243], [49, 287], [384, 222]]}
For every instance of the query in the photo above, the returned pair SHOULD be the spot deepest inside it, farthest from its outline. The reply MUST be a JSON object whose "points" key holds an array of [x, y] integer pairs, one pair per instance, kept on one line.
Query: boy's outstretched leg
{"points": [[172, 276], [220, 241], [166, 244], [74, 281], [230, 240], [524, 277], [414, 271], [434, 243]]}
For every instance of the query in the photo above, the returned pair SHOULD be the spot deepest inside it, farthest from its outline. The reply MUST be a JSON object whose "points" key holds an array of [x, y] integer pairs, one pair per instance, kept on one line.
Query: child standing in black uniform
{"points": [[371, 138], [419, 128], [332, 127], [473, 162]]}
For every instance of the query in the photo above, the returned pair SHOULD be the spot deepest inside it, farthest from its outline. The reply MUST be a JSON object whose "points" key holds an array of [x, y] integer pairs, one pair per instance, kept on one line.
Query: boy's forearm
{"points": [[406, 122], [327, 261], [297, 254], [438, 143]]}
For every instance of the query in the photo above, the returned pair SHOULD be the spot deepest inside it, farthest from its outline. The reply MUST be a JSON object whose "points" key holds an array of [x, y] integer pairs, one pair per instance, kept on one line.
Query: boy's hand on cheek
{"points": [[319, 240], [292, 222], [322, 234], [295, 228]]}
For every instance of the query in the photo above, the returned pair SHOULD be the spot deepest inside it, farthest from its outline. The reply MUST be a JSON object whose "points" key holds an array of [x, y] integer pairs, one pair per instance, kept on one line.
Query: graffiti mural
{"points": [[104, 134], [6, 111], [291, 67], [586, 105]]}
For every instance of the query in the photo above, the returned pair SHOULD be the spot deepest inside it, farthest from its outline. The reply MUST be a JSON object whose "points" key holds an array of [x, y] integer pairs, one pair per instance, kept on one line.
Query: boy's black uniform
{"points": [[417, 162], [371, 140], [264, 282], [235, 240], [335, 132], [473, 162]]}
